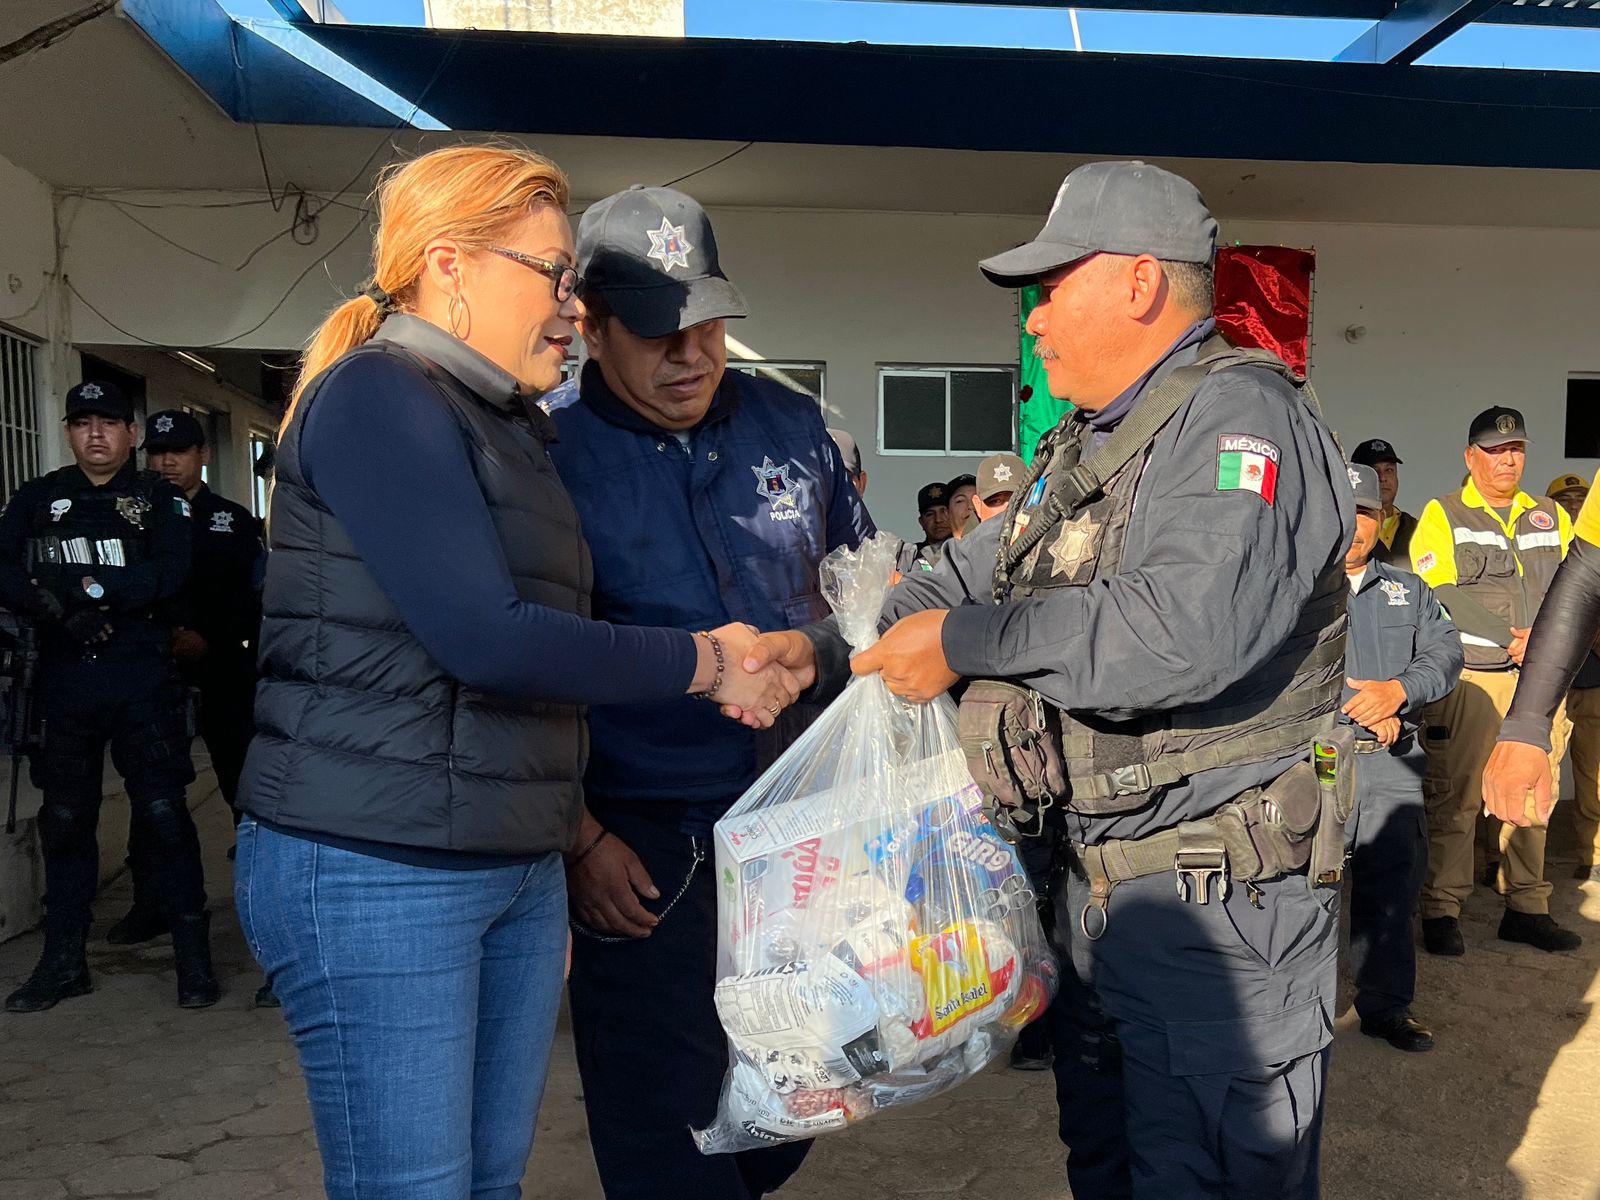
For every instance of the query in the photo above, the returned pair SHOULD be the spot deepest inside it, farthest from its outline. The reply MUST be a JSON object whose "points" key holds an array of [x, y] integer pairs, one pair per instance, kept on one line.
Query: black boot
{"points": [[191, 949], [63, 972], [144, 922], [1538, 930], [1442, 935]]}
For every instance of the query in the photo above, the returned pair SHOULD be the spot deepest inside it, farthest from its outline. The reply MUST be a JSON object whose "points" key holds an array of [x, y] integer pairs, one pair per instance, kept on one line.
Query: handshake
{"points": [[763, 673]]}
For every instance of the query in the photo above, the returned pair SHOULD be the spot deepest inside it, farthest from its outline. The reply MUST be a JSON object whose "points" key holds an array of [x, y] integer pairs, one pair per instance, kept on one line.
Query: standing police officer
{"points": [[706, 497], [1402, 653], [1165, 603], [933, 514], [1397, 525], [218, 617], [1489, 551], [95, 553]]}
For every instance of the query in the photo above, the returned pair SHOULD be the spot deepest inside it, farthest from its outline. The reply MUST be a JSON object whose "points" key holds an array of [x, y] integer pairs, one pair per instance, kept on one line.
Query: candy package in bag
{"points": [[879, 942]]}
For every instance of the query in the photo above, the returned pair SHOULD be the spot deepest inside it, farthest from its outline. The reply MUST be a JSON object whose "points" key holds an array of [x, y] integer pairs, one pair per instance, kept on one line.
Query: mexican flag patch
{"points": [[1247, 464]]}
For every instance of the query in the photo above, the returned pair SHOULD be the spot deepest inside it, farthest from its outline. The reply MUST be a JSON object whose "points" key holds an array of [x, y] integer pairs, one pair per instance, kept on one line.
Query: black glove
{"points": [[87, 625], [44, 605]]}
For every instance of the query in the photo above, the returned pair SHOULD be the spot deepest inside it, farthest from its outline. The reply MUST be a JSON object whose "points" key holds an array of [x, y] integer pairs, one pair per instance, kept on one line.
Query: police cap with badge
{"points": [[649, 255], [1364, 483], [999, 475], [1496, 427], [97, 398], [932, 495], [1374, 451], [172, 429]]}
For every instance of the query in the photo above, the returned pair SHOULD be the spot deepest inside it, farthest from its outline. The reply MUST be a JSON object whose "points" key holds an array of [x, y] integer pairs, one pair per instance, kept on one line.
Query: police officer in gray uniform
{"points": [[1402, 653], [1161, 611]]}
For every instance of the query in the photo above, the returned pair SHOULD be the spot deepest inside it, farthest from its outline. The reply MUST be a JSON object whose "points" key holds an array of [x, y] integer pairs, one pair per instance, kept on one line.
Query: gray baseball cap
{"points": [[999, 474], [1364, 483], [848, 450], [651, 256], [1113, 208]]}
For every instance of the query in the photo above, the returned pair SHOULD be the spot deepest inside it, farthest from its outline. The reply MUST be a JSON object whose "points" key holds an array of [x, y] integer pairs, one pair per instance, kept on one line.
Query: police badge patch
{"points": [[668, 246], [1397, 592], [222, 522], [133, 509], [779, 491], [1074, 546]]}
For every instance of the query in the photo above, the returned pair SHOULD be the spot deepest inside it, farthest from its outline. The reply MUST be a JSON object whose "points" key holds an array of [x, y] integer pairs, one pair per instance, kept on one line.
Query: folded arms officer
{"points": [[1402, 653], [96, 552], [1166, 592]]}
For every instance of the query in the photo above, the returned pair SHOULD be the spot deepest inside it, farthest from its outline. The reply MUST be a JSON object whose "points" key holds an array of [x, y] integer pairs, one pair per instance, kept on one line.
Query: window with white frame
{"points": [[19, 415], [208, 426], [807, 378], [962, 410], [261, 444]]}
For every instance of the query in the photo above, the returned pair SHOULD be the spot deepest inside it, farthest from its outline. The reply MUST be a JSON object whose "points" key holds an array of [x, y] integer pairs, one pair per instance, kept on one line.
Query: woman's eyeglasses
{"points": [[565, 279]]}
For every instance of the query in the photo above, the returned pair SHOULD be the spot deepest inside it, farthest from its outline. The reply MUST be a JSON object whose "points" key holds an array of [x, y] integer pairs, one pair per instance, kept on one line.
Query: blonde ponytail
{"points": [[470, 193]]}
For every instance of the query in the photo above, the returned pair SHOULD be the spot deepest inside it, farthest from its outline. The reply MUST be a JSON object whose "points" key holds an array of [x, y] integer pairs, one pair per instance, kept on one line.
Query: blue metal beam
{"points": [[937, 97], [1412, 29]]}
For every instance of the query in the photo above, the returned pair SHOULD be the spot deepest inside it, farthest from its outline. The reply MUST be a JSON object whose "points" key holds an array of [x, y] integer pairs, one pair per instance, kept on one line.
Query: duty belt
{"points": [[1196, 852], [1373, 746]]}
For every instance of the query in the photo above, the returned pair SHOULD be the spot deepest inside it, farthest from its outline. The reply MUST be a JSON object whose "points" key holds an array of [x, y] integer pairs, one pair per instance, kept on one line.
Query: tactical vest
{"points": [[1486, 566], [77, 530], [1070, 540], [360, 733]]}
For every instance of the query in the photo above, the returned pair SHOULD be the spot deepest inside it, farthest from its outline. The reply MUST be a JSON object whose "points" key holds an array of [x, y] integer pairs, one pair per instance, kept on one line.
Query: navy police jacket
{"points": [[730, 526], [1399, 631]]}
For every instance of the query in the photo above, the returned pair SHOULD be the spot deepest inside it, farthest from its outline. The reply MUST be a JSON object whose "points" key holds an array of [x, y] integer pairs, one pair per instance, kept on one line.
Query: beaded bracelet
{"points": [[584, 853], [716, 650]]}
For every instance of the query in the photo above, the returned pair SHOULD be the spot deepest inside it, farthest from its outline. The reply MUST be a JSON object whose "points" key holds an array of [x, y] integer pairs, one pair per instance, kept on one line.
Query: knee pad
{"points": [[167, 818], [64, 824]]}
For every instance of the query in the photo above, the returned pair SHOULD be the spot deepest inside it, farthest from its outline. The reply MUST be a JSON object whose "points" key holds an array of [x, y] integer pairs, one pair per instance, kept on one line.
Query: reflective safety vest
{"points": [[1506, 574]]}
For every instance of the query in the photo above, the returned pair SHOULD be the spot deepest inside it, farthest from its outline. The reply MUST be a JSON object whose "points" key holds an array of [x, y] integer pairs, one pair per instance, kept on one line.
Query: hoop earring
{"points": [[453, 314]]}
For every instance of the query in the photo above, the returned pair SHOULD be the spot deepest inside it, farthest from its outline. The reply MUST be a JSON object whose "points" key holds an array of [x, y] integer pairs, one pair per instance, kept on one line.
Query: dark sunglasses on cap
{"points": [[565, 279]]}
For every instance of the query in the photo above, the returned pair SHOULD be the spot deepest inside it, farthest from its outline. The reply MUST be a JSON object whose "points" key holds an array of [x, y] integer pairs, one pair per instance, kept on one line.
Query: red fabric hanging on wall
{"points": [[1264, 299]]}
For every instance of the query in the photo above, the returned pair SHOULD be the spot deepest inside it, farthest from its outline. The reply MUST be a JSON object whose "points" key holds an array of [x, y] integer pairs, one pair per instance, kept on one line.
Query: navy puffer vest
{"points": [[360, 734]]}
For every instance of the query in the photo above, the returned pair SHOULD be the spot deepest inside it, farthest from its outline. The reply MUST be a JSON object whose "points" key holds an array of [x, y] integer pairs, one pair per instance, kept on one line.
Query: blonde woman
{"points": [[425, 657]]}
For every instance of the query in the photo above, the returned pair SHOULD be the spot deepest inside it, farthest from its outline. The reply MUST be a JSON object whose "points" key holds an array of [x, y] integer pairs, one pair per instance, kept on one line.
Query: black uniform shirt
{"points": [[146, 519], [222, 601]]}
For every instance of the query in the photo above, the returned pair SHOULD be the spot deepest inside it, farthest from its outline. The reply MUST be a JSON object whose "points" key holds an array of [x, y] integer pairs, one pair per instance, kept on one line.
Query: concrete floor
{"points": [[122, 1094]]}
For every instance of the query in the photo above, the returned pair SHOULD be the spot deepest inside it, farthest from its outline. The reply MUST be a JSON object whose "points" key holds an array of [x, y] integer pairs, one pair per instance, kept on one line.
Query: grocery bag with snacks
{"points": [[879, 942]]}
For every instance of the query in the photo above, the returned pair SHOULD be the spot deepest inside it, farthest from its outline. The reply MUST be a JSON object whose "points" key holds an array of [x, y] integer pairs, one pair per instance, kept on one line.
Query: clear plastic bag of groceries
{"points": [[879, 943]]}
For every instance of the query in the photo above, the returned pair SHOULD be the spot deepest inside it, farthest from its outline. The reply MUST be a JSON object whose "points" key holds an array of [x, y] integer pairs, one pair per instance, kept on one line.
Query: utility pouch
{"points": [[1334, 759], [1269, 832], [1012, 741]]}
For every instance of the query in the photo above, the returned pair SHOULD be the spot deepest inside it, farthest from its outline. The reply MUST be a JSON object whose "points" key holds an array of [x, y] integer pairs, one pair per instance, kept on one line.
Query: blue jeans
{"points": [[423, 1003]]}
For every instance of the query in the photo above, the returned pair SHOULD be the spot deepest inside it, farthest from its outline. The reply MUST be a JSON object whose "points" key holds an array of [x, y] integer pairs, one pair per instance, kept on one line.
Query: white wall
{"points": [[1457, 318]]}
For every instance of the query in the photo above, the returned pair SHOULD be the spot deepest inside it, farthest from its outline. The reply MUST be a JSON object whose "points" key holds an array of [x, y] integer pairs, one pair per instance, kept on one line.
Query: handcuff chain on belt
{"points": [[699, 857]]}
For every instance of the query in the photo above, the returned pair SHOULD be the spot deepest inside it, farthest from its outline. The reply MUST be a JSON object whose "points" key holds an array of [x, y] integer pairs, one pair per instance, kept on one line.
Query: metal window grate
{"points": [[19, 414]]}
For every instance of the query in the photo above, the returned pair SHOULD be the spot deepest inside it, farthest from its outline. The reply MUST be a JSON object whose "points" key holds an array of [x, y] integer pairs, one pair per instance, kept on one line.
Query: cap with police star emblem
{"points": [[173, 429], [1566, 483], [999, 474], [1364, 483], [932, 495], [649, 254], [1497, 426], [96, 397], [1374, 451], [1113, 208]]}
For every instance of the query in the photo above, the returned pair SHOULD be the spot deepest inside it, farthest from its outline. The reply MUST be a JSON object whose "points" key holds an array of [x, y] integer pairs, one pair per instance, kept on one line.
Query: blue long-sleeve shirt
{"points": [[728, 527], [387, 458]]}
